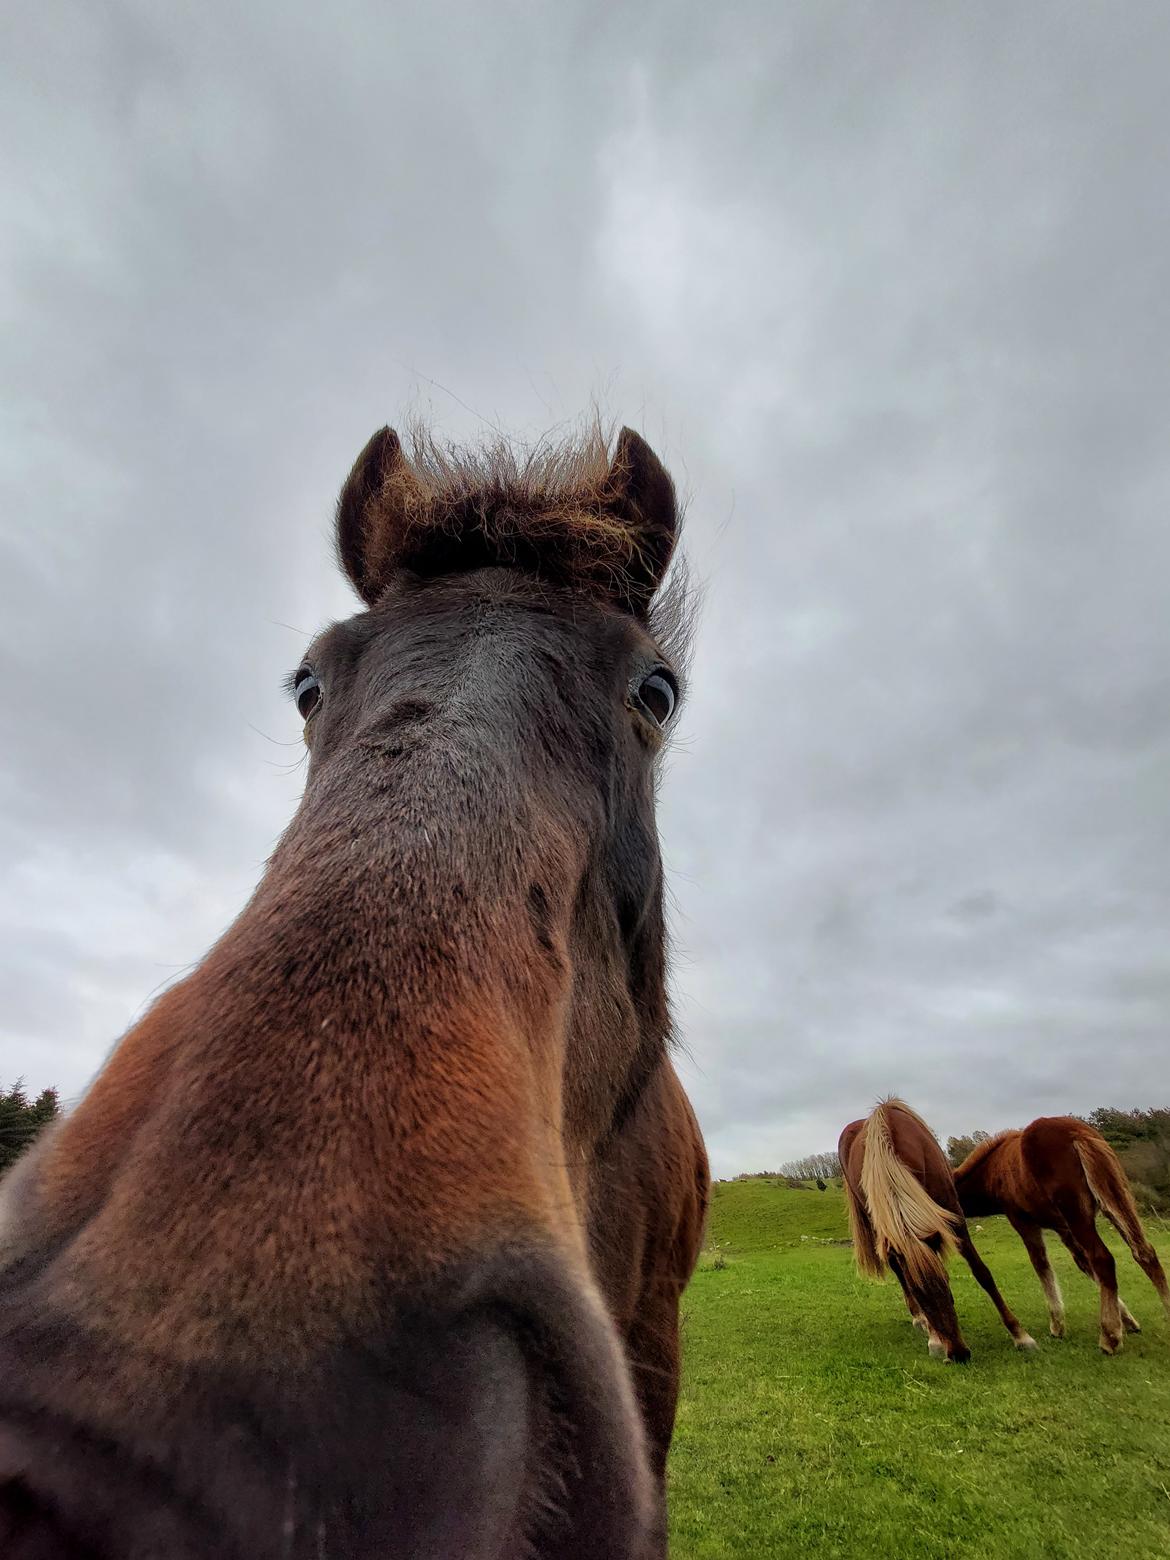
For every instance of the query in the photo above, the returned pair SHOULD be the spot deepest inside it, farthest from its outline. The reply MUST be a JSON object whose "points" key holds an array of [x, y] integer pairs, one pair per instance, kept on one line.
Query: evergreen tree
{"points": [[21, 1119], [959, 1147]]}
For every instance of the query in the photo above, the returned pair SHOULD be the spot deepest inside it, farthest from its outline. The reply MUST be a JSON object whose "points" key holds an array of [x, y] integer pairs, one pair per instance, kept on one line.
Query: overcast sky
{"points": [[887, 286]]}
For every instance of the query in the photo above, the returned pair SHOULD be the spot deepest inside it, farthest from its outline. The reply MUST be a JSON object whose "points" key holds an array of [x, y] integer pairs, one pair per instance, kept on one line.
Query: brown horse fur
{"points": [[1055, 1175], [904, 1215], [369, 1238]]}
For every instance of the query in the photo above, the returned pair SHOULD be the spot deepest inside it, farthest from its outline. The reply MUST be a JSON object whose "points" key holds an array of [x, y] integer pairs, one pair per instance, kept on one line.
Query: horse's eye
{"points": [[307, 692], [658, 695]]}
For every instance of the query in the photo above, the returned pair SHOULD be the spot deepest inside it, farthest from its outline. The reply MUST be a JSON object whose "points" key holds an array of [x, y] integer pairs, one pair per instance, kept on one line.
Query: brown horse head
{"points": [[315, 1269]]}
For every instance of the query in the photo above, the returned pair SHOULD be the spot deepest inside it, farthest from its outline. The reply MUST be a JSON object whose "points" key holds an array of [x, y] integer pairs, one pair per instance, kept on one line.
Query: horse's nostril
{"points": [[496, 1420]]}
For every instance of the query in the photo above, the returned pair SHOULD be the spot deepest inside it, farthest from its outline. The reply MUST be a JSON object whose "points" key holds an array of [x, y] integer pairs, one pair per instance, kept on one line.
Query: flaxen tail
{"points": [[864, 1249], [903, 1214], [1112, 1195]]}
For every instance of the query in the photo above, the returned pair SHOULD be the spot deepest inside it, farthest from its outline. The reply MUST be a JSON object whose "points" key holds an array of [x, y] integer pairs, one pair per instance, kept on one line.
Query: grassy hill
{"points": [[813, 1422]]}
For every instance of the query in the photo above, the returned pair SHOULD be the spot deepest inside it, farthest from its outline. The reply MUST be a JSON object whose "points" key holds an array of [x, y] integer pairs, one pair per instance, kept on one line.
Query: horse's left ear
{"points": [[382, 496], [641, 495]]}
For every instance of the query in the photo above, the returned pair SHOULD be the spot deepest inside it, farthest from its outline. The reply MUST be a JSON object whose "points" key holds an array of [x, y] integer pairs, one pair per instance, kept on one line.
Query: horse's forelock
{"points": [[565, 511]]}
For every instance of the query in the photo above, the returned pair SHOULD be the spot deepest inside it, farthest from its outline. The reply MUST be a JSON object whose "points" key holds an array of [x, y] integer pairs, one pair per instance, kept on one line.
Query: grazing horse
{"points": [[904, 1214], [1055, 1175], [368, 1240]]}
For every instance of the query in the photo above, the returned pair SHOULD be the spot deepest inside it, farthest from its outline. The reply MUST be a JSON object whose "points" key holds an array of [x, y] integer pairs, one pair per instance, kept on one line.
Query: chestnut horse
{"points": [[1055, 1175], [368, 1240], [904, 1214]]}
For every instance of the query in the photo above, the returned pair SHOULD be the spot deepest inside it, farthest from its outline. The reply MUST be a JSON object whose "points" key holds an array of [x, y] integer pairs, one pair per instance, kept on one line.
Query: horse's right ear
{"points": [[641, 495], [380, 498]]}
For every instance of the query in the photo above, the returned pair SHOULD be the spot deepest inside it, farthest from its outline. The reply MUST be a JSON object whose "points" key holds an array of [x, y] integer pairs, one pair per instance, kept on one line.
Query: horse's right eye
{"points": [[307, 692]]}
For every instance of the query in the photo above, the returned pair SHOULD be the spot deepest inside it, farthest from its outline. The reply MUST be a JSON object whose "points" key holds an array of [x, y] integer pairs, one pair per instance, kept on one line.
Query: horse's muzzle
{"points": [[494, 1422]]}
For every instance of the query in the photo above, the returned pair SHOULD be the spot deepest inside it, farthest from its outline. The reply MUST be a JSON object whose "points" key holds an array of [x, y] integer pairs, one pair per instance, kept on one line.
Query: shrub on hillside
{"points": [[959, 1147], [21, 1119]]}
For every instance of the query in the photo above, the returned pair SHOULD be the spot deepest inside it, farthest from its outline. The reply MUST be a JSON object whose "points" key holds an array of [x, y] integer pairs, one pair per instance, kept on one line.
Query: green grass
{"points": [[813, 1422]]}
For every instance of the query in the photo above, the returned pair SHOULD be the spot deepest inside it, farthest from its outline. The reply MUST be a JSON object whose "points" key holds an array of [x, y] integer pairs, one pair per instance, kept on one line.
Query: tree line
{"points": [[813, 1167], [21, 1119]]}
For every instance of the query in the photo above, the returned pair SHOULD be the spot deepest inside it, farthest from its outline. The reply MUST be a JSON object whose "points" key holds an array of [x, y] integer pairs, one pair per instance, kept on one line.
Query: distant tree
{"points": [[813, 1167], [1122, 1128], [21, 1119], [1141, 1140], [959, 1147]]}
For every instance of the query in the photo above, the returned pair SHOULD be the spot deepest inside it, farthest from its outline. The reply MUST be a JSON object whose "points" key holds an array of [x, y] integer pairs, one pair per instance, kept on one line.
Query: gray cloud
{"points": [[887, 290]]}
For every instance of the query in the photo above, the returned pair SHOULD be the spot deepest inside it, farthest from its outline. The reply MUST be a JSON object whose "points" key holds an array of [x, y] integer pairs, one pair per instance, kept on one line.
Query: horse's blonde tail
{"points": [[903, 1214], [1110, 1189], [864, 1249]]}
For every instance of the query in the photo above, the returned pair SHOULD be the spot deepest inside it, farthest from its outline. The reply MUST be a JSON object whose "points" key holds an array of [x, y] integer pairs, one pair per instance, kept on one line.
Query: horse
{"points": [[1056, 1174], [904, 1214], [369, 1238]]}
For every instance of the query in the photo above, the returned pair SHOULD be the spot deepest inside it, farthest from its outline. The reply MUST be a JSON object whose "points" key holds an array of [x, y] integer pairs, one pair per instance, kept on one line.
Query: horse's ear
{"points": [[380, 497], [641, 495]]}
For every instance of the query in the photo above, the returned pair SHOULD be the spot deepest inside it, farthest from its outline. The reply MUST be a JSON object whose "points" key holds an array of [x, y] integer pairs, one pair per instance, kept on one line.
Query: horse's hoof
{"points": [[1132, 1324], [1028, 1344], [1109, 1345], [1056, 1329]]}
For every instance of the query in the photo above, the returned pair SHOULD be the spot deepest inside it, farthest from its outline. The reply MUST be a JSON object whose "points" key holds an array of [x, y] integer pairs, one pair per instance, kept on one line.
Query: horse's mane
{"points": [[547, 507], [547, 483]]}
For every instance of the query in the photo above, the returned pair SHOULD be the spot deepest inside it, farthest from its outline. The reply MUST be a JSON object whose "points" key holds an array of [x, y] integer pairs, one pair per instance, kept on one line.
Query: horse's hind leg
{"points": [[1099, 1258], [932, 1296], [983, 1276], [1033, 1238], [1156, 1274], [916, 1314]]}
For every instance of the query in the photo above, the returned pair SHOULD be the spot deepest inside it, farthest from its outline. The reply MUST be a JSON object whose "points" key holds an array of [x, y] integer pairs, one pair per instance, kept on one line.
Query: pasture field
{"points": [[813, 1422]]}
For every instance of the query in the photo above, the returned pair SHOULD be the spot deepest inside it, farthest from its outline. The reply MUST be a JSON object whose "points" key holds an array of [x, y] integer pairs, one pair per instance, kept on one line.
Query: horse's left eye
{"points": [[307, 692], [658, 696]]}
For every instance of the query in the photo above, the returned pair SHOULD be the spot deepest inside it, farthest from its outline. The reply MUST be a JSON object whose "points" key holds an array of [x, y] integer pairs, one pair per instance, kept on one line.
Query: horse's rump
{"points": [[904, 1217]]}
